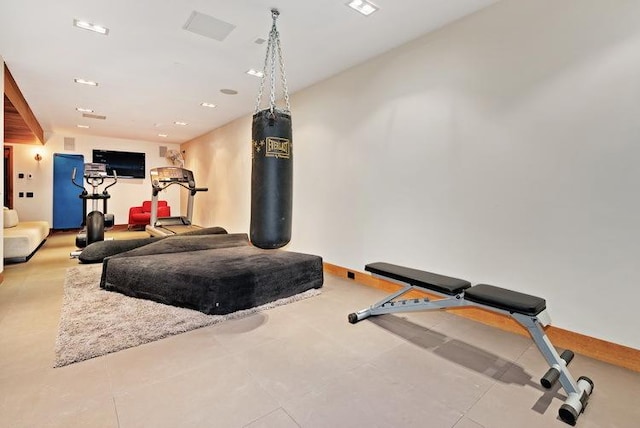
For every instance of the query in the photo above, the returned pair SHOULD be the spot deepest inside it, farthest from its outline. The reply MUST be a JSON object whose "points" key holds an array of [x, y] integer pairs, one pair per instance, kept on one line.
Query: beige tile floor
{"points": [[301, 365]]}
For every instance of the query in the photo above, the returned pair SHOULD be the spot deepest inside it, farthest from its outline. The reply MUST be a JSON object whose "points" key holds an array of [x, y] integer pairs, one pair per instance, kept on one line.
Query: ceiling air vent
{"points": [[94, 116], [208, 26]]}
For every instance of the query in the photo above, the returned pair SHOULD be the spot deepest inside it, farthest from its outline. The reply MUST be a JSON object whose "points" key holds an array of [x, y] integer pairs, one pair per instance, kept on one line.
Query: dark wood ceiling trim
{"points": [[19, 104]]}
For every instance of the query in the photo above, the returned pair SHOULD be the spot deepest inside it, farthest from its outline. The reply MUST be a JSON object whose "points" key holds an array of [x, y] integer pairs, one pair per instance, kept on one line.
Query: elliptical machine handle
{"points": [[73, 180], [115, 180]]}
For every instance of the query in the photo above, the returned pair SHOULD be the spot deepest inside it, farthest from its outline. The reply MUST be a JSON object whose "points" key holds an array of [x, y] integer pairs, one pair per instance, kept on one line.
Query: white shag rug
{"points": [[96, 322]]}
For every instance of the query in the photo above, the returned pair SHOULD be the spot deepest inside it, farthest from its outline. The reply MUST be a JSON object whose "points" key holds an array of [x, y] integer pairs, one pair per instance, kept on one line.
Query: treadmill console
{"points": [[171, 174]]}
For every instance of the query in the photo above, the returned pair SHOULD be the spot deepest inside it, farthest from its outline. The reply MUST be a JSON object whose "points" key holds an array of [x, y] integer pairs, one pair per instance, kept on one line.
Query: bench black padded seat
{"points": [[432, 281], [508, 300], [214, 274]]}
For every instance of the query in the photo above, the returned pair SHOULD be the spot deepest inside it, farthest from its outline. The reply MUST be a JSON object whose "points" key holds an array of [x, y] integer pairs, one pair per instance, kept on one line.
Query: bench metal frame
{"points": [[578, 392]]}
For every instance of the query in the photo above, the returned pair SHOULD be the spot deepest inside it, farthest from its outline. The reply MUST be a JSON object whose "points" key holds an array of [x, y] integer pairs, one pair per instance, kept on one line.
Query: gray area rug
{"points": [[96, 322]]}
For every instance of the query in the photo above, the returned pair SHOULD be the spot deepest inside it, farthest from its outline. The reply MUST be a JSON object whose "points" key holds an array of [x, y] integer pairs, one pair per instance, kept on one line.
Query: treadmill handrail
{"points": [[170, 183], [193, 190]]}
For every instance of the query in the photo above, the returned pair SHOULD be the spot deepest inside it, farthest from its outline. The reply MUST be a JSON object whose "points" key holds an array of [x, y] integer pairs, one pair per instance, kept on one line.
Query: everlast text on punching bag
{"points": [[271, 179]]}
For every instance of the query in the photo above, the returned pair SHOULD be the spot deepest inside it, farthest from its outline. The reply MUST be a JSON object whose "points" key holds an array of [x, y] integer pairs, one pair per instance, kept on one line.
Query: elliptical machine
{"points": [[94, 222]]}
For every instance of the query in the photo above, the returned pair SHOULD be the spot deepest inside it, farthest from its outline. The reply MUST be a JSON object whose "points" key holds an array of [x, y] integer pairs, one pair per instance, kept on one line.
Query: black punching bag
{"points": [[271, 179]]}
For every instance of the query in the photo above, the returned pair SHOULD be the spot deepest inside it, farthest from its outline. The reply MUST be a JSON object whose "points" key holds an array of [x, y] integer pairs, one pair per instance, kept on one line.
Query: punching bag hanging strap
{"points": [[273, 50]]}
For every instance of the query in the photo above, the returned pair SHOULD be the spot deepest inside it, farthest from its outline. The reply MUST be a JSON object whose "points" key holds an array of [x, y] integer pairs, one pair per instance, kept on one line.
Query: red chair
{"points": [[141, 216]]}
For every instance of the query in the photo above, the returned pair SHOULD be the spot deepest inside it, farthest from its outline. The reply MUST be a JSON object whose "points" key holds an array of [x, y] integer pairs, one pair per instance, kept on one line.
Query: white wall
{"points": [[125, 194], [501, 149]]}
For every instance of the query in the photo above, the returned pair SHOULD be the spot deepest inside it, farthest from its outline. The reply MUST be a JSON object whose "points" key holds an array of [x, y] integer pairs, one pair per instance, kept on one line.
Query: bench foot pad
{"points": [[576, 403]]}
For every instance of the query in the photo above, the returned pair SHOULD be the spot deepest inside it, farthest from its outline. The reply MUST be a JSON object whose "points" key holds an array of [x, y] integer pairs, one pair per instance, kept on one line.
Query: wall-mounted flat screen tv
{"points": [[126, 164]]}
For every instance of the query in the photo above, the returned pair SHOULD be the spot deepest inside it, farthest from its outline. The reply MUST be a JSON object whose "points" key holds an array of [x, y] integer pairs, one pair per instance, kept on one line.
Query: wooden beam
{"points": [[20, 105], [15, 128]]}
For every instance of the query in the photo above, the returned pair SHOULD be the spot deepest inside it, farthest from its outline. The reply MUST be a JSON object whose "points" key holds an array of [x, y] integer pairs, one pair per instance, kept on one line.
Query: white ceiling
{"points": [[151, 72]]}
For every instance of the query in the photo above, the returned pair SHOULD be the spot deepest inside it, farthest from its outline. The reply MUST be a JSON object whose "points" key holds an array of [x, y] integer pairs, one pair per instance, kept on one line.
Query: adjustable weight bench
{"points": [[529, 311]]}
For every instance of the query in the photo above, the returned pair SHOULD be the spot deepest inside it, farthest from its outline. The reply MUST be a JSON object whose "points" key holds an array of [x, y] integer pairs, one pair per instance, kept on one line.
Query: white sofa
{"points": [[22, 239]]}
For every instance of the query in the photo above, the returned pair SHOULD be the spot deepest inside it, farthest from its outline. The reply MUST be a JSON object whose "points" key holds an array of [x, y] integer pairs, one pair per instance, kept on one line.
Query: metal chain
{"points": [[283, 75], [273, 37], [272, 45], [263, 77]]}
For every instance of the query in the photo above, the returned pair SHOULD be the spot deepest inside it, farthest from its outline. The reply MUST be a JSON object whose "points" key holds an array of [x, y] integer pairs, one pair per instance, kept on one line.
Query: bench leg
{"points": [[578, 392], [378, 308], [389, 305]]}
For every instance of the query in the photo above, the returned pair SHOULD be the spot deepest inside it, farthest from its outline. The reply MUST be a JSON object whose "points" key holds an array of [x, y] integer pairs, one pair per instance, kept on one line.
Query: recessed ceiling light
{"points": [[229, 91], [163, 135], [180, 123], [86, 82], [84, 110], [82, 126], [362, 6], [91, 27], [207, 105], [259, 41], [254, 72]]}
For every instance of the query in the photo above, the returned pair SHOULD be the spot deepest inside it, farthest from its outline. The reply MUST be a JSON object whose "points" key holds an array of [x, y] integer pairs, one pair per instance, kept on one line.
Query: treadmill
{"points": [[162, 178]]}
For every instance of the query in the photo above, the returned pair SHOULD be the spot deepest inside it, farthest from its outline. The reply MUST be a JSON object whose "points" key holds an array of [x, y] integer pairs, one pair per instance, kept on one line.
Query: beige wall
{"points": [[500, 149], [221, 160], [2, 164]]}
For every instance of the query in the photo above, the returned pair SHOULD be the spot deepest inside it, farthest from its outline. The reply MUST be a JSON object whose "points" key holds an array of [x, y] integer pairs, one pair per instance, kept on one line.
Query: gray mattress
{"points": [[214, 274]]}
